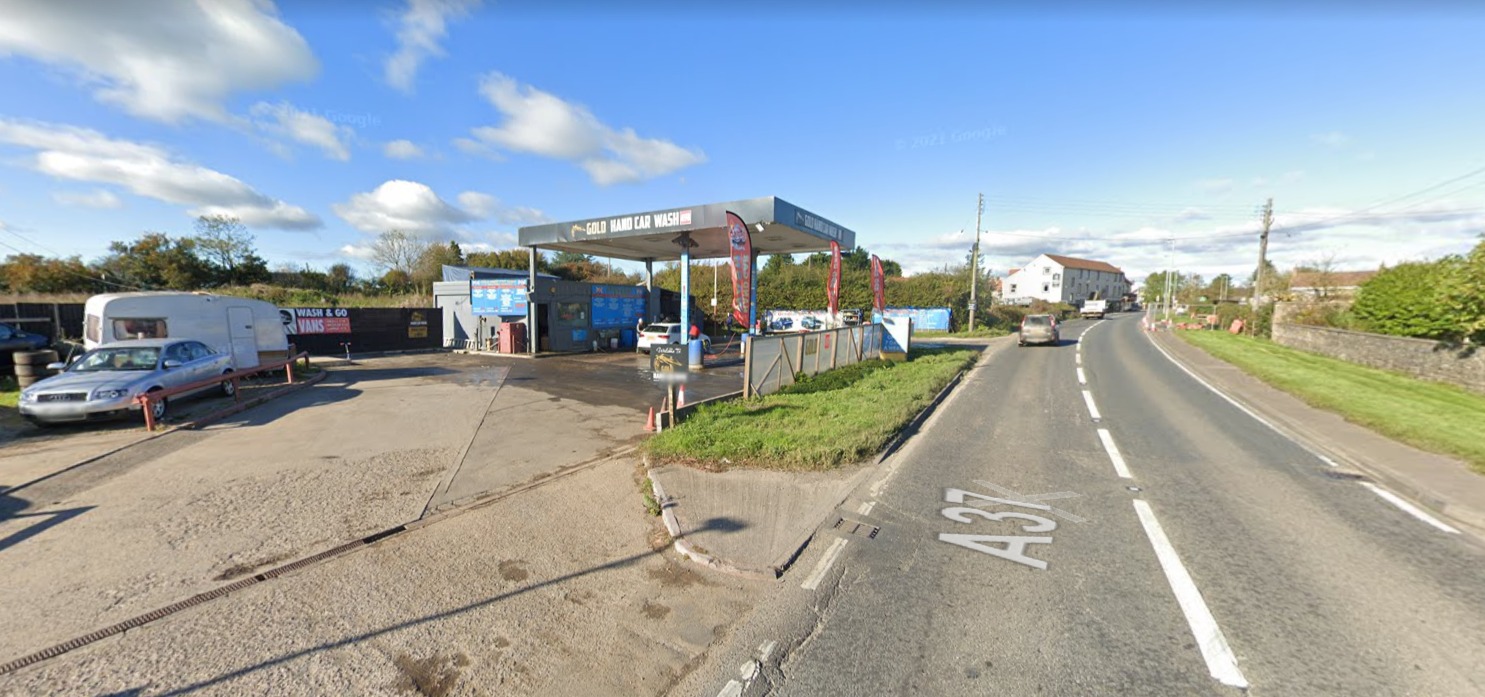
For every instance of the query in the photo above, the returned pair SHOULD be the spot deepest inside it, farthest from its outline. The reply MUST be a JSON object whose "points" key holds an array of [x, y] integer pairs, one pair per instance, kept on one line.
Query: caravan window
{"points": [[91, 325], [139, 328]]}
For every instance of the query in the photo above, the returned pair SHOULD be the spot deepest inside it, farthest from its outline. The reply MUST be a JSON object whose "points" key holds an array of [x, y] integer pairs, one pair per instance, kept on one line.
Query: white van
{"points": [[248, 330]]}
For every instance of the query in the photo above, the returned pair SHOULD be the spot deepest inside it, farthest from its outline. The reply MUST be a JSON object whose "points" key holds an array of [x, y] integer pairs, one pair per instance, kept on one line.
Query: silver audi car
{"points": [[103, 383]]}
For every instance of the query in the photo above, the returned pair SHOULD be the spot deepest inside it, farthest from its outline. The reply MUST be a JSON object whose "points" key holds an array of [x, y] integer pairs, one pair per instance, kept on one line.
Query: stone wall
{"points": [[1422, 358]]}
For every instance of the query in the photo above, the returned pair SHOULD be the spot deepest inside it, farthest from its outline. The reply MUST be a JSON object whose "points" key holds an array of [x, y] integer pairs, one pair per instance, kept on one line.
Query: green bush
{"points": [[1409, 300]]}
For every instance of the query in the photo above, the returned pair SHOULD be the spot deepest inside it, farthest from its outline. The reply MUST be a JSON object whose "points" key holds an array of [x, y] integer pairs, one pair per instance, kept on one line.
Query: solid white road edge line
{"points": [[823, 566], [1409, 508], [733, 688], [1221, 662], [1113, 450], [765, 650], [1303, 446], [1082, 379], [1092, 408]]}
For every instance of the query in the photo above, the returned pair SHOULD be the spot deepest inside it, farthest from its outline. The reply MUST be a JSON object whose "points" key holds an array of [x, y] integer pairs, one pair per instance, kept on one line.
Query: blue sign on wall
{"points": [[924, 318], [497, 296], [617, 306]]}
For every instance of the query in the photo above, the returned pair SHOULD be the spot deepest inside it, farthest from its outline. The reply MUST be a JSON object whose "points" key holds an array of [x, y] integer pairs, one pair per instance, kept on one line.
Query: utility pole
{"points": [[1268, 221], [974, 266], [1170, 281]]}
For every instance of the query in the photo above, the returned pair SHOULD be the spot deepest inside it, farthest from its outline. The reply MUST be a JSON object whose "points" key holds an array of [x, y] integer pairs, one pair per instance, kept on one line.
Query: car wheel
{"points": [[159, 407], [229, 387]]}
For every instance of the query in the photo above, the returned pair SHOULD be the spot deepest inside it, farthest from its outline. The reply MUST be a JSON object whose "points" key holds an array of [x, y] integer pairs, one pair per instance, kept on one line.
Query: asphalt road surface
{"points": [[1118, 529]]}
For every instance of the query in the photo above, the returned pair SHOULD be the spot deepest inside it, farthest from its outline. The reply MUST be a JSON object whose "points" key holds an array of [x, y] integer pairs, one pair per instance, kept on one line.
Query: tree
{"points": [[517, 259], [155, 261], [396, 250], [429, 265], [1410, 299], [1464, 296], [32, 273], [340, 278], [226, 246]]}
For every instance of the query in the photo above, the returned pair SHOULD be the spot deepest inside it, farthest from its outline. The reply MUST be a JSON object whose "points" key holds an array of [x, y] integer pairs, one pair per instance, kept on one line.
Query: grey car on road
{"points": [[1039, 329], [105, 382]]}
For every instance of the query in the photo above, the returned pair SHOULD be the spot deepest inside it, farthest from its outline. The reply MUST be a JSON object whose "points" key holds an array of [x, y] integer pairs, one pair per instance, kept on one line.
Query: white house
{"points": [[1061, 279]]}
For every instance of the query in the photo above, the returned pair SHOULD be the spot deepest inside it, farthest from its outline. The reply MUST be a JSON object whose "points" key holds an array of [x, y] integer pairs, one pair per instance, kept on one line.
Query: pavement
{"points": [[781, 512]]}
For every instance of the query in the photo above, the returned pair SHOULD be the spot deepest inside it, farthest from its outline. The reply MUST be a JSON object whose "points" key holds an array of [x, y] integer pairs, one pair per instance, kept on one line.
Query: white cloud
{"points": [[1192, 214], [402, 150], [158, 59], [481, 205], [81, 154], [420, 28], [1215, 186], [358, 252], [403, 205], [487, 206], [97, 198], [543, 124], [311, 129], [1333, 139]]}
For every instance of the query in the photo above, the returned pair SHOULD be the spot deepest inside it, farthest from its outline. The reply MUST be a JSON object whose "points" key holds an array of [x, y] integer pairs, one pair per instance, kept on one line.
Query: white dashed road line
{"points": [[1082, 378], [1409, 508], [1221, 662], [1092, 408], [823, 566], [1113, 450]]}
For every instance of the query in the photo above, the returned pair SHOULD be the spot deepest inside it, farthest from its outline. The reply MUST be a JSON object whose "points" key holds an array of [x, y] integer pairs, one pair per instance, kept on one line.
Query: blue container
{"points": [[628, 339], [695, 353]]}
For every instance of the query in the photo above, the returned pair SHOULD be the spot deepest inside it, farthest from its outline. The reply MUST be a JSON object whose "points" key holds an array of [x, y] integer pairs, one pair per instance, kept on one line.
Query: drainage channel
{"points": [[240, 584]]}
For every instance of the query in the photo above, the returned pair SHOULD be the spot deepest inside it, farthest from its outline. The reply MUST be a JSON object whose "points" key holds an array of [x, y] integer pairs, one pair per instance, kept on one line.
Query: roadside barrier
{"points": [[771, 362], [148, 399]]}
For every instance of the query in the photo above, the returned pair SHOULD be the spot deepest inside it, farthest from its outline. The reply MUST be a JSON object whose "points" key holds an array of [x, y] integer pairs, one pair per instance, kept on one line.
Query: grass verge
{"points": [[978, 333], [1433, 416], [820, 423], [10, 392]]}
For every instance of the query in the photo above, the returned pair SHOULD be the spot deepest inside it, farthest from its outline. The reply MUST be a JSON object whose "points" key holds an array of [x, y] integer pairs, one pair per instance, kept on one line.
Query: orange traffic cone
{"points": [[650, 422]]}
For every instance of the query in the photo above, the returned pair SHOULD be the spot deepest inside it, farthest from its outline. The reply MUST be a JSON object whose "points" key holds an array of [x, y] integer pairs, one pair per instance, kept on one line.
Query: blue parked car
{"points": [[13, 339]]}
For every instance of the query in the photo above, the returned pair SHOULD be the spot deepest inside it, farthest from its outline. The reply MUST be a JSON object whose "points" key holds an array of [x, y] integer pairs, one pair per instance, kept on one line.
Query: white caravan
{"points": [[248, 330]]}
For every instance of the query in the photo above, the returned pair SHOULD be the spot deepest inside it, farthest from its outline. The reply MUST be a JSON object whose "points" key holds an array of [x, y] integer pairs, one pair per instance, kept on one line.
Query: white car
{"points": [[667, 333], [103, 383]]}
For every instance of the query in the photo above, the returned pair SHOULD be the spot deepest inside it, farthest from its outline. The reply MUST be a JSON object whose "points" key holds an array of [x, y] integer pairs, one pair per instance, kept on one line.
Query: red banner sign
{"points": [[832, 286], [878, 287], [741, 254]]}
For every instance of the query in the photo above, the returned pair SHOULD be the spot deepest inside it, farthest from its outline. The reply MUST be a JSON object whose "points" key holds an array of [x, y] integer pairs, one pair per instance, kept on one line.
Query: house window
{"points": [[1056, 278], [1046, 270], [1046, 288], [1013, 289]]}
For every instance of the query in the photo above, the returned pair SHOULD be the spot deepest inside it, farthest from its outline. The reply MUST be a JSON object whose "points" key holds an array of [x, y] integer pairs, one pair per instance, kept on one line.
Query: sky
{"points": [[1146, 135]]}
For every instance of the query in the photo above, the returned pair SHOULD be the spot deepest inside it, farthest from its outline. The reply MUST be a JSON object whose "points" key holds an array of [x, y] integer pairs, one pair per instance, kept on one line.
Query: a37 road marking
{"points": [[1108, 444], [1221, 662], [1409, 508]]}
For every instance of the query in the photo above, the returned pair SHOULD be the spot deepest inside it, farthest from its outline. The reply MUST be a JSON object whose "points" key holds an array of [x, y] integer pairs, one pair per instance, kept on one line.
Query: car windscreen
{"points": [[103, 359]]}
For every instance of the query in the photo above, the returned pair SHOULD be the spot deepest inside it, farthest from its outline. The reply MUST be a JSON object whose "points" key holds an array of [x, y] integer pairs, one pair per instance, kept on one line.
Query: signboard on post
{"points": [[497, 296], [669, 363]]}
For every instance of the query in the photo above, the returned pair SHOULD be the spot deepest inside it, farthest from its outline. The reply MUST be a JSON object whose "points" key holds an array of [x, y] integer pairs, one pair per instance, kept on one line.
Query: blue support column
{"points": [[753, 294]]}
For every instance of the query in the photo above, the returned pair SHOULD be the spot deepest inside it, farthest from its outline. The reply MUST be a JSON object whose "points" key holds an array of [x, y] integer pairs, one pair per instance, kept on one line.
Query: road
{"points": [[1013, 555]]}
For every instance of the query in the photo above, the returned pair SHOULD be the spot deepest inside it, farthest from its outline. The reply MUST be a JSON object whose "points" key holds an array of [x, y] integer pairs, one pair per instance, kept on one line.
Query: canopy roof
{"points": [[786, 229]]}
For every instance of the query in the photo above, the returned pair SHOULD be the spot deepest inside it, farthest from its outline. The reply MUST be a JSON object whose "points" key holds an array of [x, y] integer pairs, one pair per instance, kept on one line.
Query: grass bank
{"points": [[10, 392], [820, 423], [978, 333], [1427, 415]]}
